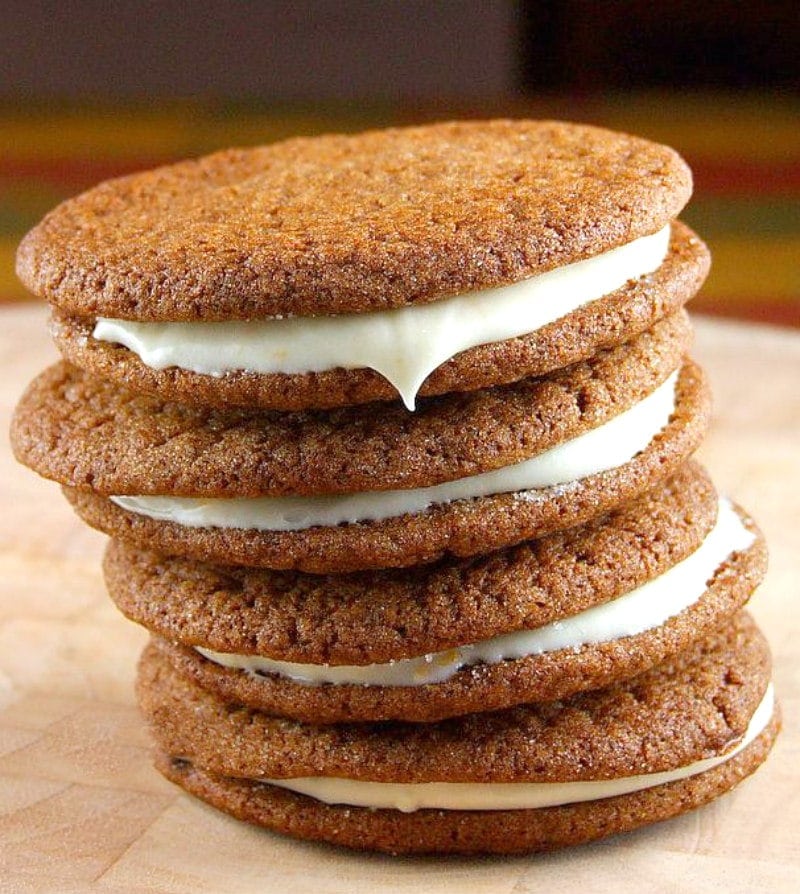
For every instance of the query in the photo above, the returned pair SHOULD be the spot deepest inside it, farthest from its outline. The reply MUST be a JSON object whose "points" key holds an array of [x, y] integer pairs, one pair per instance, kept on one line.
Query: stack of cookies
{"points": [[392, 434]]}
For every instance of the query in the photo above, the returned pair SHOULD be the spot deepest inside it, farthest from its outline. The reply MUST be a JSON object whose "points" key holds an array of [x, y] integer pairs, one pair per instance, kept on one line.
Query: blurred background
{"points": [[90, 90]]}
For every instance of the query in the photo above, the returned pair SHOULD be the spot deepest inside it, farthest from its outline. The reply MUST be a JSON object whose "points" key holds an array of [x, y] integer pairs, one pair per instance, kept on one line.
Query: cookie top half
{"points": [[350, 224]]}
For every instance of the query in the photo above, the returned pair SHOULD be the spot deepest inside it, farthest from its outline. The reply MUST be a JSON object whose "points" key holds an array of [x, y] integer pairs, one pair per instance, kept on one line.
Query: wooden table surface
{"points": [[81, 809]]}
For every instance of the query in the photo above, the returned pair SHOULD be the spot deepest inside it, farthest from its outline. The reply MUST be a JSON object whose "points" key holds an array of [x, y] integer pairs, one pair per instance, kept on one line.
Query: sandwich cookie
{"points": [[343, 269], [572, 611], [529, 778], [471, 516], [352, 488]]}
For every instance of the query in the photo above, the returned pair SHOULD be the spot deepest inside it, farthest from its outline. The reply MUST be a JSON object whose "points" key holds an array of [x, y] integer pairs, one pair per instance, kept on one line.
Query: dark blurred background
{"points": [[93, 89]]}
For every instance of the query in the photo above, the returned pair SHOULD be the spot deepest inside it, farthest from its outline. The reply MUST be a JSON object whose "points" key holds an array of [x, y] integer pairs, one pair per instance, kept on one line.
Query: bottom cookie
{"points": [[463, 831]]}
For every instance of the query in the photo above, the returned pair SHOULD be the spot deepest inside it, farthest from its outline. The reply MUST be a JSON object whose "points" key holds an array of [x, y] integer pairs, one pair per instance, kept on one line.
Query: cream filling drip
{"points": [[408, 797], [605, 447], [644, 608], [404, 345]]}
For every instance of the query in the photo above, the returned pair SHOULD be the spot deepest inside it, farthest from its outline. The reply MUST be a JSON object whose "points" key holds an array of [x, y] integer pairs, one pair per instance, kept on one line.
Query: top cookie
{"points": [[348, 224]]}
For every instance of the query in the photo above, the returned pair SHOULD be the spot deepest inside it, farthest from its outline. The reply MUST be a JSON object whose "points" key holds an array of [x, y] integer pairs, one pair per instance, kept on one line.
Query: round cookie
{"points": [[86, 432], [693, 708], [459, 528], [349, 224], [457, 831], [603, 323]]}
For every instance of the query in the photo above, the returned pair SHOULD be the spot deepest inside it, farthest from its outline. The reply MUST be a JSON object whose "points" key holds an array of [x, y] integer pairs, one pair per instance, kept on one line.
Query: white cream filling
{"points": [[605, 447], [644, 608], [408, 797], [404, 345]]}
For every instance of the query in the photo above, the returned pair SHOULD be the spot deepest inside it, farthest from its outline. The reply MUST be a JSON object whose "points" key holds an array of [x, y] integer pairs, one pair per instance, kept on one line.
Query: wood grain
{"points": [[82, 810]]}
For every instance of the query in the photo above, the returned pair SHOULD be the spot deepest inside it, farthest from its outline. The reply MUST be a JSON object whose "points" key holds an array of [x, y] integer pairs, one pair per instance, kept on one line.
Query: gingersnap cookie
{"points": [[529, 778], [576, 610], [406, 527], [299, 274]]}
